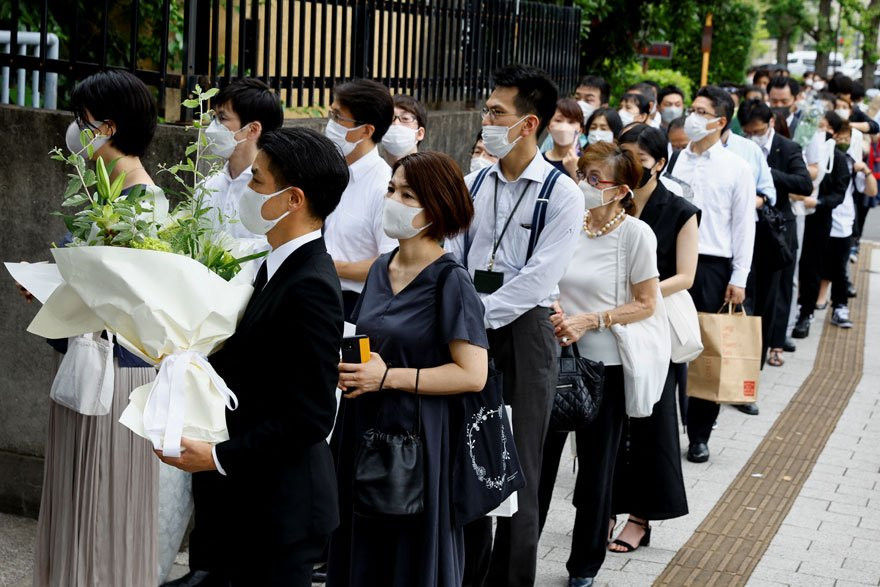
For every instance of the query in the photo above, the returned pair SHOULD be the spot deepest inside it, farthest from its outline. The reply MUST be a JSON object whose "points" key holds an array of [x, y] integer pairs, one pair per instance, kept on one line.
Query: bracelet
{"points": [[601, 322], [382, 383]]}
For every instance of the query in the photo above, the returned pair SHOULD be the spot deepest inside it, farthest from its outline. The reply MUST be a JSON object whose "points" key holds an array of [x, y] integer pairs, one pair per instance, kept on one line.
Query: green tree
{"points": [[784, 20], [864, 18]]}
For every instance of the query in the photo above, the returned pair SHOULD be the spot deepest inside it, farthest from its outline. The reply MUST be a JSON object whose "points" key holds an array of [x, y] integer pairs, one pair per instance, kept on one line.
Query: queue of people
{"points": [[575, 222]]}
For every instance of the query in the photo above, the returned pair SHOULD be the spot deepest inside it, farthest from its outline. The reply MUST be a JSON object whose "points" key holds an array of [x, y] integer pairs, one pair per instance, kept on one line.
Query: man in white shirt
{"points": [[724, 189], [517, 279], [243, 111], [360, 115]]}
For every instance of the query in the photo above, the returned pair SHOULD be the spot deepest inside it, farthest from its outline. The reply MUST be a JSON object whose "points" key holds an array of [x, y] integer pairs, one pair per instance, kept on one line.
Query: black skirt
{"points": [[648, 482]]}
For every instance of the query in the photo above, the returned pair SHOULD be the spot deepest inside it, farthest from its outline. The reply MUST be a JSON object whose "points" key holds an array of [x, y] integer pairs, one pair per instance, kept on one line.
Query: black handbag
{"points": [[389, 476], [770, 240], [579, 391]]}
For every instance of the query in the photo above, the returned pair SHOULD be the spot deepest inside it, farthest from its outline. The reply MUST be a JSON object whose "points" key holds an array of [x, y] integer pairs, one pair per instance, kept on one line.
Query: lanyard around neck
{"points": [[497, 238]]}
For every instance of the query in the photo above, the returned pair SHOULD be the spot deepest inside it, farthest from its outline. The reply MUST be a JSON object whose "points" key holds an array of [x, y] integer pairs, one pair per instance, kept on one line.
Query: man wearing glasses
{"points": [[724, 190], [517, 277], [360, 115]]}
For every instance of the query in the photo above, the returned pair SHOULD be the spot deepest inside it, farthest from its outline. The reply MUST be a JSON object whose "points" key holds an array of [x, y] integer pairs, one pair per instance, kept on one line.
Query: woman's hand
{"points": [[569, 329], [362, 377], [860, 167], [570, 161], [810, 202], [24, 293]]}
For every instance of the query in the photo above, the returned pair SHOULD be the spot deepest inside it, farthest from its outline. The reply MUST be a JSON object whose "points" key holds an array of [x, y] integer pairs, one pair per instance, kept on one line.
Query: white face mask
{"points": [[761, 140], [250, 211], [221, 140], [670, 113], [399, 140], [478, 163], [586, 108], [71, 137], [338, 133], [397, 219], [563, 133], [844, 113], [594, 197], [625, 117], [818, 85], [695, 127], [496, 141], [596, 136]]}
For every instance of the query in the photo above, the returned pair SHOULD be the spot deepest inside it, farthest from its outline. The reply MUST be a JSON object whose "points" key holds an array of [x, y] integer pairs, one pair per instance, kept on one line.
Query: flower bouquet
{"points": [[170, 286]]}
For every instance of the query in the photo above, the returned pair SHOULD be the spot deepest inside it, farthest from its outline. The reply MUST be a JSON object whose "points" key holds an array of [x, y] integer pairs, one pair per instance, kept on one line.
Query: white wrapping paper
{"points": [[161, 306]]}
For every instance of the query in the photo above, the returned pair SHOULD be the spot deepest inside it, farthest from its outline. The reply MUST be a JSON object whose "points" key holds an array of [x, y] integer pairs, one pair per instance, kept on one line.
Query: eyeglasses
{"points": [[405, 119], [492, 114], [592, 179], [337, 117], [85, 124], [701, 112]]}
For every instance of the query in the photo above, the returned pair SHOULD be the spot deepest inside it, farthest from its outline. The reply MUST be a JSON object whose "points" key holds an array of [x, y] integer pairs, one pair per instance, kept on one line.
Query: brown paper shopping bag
{"points": [[728, 369]]}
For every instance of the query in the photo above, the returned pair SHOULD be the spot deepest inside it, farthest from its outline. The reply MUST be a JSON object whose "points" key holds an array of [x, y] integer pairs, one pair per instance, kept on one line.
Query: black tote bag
{"points": [[579, 391]]}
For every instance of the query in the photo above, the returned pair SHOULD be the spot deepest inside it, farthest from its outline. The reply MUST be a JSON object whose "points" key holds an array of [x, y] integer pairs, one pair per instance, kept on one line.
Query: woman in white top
{"points": [[594, 297]]}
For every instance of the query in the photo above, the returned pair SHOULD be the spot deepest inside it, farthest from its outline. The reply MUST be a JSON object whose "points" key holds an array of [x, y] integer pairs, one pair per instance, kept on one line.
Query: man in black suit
{"points": [[790, 176], [272, 486]]}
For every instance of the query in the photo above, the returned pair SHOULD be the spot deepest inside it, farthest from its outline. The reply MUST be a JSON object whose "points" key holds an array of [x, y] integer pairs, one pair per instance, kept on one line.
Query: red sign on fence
{"points": [[656, 51]]}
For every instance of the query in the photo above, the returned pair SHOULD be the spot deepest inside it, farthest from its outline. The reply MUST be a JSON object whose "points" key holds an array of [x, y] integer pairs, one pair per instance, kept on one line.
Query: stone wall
{"points": [[31, 185]]}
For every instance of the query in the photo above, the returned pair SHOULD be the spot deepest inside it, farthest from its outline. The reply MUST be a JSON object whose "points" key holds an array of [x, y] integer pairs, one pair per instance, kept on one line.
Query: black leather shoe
{"points": [[801, 328], [319, 574], [748, 409], [199, 578], [698, 452], [789, 346]]}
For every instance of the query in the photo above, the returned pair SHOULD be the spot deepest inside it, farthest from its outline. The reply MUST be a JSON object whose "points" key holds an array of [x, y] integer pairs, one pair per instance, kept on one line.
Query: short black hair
{"points": [[252, 100], [677, 123], [747, 89], [652, 141], [779, 82], [721, 101], [369, 102], [611, 117], [754, 109], [306, 159], [834, 120], [122, 98], [668, 91], [414, 107], [644, 88], [594, 81], [840, 84], [858, 91], [643, 103], [763, 72], [535, 91]]}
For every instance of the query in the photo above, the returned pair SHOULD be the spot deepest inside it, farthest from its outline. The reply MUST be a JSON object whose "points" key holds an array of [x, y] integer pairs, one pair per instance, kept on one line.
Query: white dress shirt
{"points": [[353, 232], [225, 195], [273, 261], [752, 154], [526, 285], [724, 190]]}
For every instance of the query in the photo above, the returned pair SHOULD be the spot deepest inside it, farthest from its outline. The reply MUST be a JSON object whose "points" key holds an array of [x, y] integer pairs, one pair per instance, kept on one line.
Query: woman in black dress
{"points": [[648, 483], [439, 347]]}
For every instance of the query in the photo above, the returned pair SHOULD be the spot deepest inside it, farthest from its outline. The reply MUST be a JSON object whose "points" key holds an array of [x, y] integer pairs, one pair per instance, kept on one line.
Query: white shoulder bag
{"points": [[644, 346], [84, 382], [684, 327]]}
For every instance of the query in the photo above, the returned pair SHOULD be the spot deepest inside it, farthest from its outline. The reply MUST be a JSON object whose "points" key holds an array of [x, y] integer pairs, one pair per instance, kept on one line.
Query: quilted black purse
{"points": [[579, 390]]}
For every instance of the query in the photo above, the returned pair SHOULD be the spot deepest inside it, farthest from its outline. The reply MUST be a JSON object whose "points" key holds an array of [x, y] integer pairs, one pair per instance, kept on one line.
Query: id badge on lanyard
{"points": [[489, 281]]}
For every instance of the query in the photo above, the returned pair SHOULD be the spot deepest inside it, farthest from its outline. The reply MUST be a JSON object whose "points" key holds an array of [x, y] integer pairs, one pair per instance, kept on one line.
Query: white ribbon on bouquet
{"points": [[165, 408]]}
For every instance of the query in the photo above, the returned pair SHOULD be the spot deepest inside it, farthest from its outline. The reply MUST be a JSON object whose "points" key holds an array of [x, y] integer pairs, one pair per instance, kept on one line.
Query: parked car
{"points": [[800, 62]]}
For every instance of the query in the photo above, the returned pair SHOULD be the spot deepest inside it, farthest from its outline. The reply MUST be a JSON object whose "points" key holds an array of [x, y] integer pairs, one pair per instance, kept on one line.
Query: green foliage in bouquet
{"points": [[138, 219]]}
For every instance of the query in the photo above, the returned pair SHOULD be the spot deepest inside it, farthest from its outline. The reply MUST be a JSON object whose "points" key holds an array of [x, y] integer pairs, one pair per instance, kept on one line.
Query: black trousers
{"points": [[710, 285], [762, 290], [597, 447], [206, 541], [785, 290], [287, 565], [834, 269], [817, 228], [349, 301], [525, 352]]}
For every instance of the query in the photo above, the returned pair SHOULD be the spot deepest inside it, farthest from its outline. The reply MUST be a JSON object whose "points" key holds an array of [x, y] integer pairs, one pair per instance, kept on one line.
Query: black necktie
{"points": [[262, 278]]}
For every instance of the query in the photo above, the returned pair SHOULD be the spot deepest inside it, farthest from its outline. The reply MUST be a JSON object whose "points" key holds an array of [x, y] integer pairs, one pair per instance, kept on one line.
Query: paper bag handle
{"points": [[731, 309]]}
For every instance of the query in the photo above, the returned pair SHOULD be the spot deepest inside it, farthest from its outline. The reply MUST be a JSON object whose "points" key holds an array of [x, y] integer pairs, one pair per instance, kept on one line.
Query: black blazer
{"points": [[790, 175], [832, 190], [282, 364]]}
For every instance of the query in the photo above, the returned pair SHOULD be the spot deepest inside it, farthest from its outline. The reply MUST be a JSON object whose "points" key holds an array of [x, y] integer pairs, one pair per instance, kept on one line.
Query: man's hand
{"points": [[759, 202], [734, 294], [195, 456]]}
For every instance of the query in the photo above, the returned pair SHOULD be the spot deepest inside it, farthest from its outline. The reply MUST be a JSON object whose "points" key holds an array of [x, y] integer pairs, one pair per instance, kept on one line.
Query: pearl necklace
{"points": [[608, 225]]}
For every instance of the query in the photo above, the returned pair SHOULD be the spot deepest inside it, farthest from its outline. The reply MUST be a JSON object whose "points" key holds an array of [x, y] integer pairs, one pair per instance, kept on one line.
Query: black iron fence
{"points": [[440, 51]]}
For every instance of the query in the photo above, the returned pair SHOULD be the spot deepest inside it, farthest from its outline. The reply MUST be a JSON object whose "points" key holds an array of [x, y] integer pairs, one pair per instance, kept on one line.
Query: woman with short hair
{"points": [[424, 320]]}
